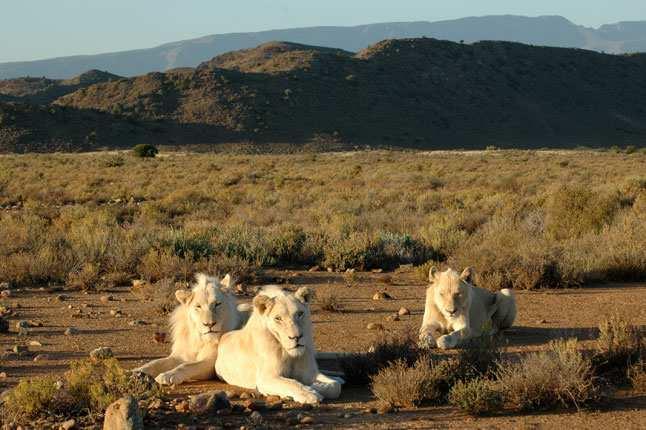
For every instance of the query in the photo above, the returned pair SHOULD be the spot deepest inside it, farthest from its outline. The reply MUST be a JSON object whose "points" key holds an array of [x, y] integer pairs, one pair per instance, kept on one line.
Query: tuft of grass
{"points": [[145, 150], [637, 375], [618, 346], [330, 303], [479, 396], [546, 379]]}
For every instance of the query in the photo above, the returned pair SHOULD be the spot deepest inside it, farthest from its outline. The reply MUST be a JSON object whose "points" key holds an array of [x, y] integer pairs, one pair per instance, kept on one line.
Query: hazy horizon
{"points": [[38, 30]]}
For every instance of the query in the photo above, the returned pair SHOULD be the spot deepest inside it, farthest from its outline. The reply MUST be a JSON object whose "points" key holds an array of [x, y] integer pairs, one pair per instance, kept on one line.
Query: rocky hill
{"points": [[422, 93], [623, 37]]}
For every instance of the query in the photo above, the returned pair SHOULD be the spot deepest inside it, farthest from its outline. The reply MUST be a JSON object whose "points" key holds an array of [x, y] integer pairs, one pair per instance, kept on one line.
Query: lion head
{"points": [[286, 316], [451, 291], [206, 309]]}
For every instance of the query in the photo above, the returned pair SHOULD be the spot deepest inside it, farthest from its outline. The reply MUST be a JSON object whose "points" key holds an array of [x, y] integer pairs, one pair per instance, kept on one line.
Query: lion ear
{"points": [[263, 303], [183, 296], [432, 274], [467, 275], [304, 295]]}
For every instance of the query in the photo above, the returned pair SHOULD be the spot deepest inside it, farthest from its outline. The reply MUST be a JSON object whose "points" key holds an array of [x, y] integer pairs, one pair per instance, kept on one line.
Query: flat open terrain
{"points": [[543, 315]]}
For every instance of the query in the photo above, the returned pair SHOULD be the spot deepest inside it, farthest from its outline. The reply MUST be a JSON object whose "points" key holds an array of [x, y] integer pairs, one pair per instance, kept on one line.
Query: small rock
{"points": [[77, 314], [391, 318], [3, 375], [256, 418], [106, 299], [371, 410], [244, 395], [41, 357], [71, 331], [382, 295], [5, 294], [254, 405], [542, 322], [314, 269], [67, 425], [22, 324], [347, 415], [377, 270], [403, 311], [232, 394], [61, 297], [35, 343], [330, 269], [159, 337], [4, 285], [350, 270], [273, 399], [375, 326], [209, 402], [33, 323], [183, 406], [307, 420], [101, 353], [137, 323], [115, 312], [123, 414]]}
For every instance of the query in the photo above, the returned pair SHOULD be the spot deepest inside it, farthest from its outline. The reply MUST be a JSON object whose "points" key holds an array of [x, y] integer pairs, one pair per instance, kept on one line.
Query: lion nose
{"points": [[296, 338], [209, 325], [452, 311]]}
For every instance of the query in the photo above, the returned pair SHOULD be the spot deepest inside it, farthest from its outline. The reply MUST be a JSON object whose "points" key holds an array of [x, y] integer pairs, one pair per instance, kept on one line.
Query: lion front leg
{"points": [[193, 371], [428, 334], [155, 367], [285, 387], [330, 388], [453, 339]]}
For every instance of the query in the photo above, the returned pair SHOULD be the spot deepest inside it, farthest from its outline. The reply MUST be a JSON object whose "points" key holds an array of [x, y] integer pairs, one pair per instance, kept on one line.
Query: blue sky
{"points": [[35, 29]]}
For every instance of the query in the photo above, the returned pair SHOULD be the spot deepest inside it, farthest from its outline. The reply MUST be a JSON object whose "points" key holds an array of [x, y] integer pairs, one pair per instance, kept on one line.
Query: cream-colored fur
{"points": [[204, 313], [274, 352], [456, 311]]}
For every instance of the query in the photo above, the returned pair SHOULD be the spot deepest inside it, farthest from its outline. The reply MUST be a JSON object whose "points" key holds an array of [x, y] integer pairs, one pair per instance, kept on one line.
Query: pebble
{"points": [[106, 299], [22, 324], [61, 297], [5, 294], [254, 405], [244, 395], [137, 322], [391, 318], [67, 425], [3, 375], [375, 326], [71, 331], [35, 343], [115, 312], [41, 357], [101, 353], [314, 269], [382, 295], [403, 311]]}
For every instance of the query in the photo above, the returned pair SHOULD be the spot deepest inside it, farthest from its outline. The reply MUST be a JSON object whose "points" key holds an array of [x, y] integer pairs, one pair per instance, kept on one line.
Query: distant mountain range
{"points": [[556, 31], [415, 93]]}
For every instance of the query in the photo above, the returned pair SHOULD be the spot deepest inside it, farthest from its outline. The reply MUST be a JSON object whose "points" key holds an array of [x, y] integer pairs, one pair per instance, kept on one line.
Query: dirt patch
{"points": [[543, 315]]}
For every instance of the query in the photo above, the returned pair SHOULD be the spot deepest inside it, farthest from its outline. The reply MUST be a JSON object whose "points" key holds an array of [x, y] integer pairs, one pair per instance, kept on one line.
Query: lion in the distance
{"points": [[204, 313], [274, 352], [457, 311]]}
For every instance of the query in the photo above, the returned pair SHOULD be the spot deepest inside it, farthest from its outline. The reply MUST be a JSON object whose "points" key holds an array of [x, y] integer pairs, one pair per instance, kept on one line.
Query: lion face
{"points": [[207, 309], [287, 317], [451, 291]]}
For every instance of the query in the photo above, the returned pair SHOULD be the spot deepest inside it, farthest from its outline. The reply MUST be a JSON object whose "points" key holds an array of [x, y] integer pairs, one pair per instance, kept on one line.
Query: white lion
{"points": [[204, 313], [274, 352], [456, 311]]}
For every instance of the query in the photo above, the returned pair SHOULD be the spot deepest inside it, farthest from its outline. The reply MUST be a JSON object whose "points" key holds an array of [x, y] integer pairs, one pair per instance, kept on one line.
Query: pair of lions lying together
{"points": [[269, 346]]}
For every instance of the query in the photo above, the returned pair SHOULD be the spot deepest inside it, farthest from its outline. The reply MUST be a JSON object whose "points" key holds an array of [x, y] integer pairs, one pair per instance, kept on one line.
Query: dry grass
{"points": [[637, 375], [543, 380], [330, 303], [619, 346], [479, 396], [90, 220]]}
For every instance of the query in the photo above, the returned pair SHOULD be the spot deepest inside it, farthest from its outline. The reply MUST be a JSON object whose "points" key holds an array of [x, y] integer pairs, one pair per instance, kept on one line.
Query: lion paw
{"points": [[308, 396], [446, 342], [329, 390], [426, 341], [168, 378]]}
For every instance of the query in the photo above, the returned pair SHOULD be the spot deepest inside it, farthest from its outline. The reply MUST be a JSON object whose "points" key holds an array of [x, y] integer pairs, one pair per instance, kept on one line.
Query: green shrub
{"points": [[479, 396], [33, 397], [401, 385], [145, 150]]}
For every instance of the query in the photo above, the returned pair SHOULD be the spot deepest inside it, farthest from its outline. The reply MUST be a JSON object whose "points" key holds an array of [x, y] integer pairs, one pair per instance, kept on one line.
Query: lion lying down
{"points": [[456, 311], [274, 352], [204, 313]]}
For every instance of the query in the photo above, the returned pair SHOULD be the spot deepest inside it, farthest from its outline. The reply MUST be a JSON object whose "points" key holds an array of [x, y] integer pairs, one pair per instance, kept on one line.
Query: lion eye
{"points": [[198, 306], [278, 319]]}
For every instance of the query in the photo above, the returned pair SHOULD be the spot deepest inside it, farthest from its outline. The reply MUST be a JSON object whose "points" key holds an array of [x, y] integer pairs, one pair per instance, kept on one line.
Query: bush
{"points": [[87, 388], [402, 384], [330, 303], [619, 345], [637, 375], [542, 380], [479, 396], [360, 367], [145, 150]]}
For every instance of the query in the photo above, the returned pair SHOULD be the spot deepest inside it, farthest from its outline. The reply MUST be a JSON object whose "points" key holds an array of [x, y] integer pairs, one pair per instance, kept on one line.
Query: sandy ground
{"points": [[543, 315]]}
